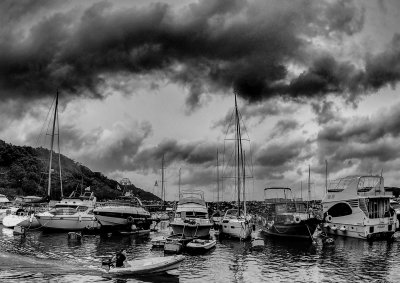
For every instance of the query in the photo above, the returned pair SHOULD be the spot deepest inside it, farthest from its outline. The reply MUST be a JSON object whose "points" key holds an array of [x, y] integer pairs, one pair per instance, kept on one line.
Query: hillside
{"points": [[24, 171]]}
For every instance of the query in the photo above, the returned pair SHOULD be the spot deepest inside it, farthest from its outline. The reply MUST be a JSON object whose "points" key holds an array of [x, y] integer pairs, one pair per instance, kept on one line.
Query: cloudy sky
{"points": [[316, 81]]}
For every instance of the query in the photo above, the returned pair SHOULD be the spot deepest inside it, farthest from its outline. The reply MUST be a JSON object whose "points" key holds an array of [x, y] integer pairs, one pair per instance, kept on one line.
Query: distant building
{"points": [[125, 182]]}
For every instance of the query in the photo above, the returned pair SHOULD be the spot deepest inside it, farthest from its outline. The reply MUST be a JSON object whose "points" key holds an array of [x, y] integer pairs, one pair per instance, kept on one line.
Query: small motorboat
{"points": [[201, 245], [176, 242], [158, 242], [257, 243], [148, 265]]}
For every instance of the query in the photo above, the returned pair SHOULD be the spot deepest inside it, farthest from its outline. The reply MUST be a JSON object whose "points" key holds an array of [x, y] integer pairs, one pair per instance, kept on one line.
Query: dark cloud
{"points": [[325, 110], [348, 142], [192, 153], [257, 111], [104, 150], [284, 127], [206, 46], [279, 154]]}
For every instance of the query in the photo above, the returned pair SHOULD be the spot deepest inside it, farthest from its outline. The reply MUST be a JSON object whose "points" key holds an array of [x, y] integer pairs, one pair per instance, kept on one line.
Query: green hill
{"points": [[24, 171]]}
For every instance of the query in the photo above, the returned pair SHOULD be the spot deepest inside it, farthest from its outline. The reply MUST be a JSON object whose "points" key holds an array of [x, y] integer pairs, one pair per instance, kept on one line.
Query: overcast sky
{"points": [[316, 80]]}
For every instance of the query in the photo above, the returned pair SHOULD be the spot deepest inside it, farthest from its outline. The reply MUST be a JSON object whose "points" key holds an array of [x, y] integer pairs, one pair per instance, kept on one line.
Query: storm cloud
{"points": [[206, 46]]}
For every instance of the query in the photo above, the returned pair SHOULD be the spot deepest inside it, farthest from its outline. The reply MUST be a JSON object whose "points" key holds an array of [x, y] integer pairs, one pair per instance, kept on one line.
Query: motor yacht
{"points": [[359, 207], [285, 216], [74, 213], [126, 211], [191, 215]]}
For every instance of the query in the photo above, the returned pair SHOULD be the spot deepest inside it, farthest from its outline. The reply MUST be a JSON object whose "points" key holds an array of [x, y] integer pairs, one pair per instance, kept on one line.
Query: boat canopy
{"points": [[361, 185], [195, 196]]}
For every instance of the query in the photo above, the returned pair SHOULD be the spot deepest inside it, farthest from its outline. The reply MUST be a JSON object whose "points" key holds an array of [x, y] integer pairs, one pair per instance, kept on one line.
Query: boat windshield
{"points": [[191, 214], [369, 183], [231, 213], [67, 209]]}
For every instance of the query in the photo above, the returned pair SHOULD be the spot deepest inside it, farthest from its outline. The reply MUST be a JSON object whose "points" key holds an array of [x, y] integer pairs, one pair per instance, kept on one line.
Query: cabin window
{"points": [[233, 227], [340, 209], [371, 229]]}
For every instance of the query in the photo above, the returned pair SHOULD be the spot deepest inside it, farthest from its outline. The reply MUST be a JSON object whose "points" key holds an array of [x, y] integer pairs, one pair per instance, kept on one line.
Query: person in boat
{"points": [[120, 258]]}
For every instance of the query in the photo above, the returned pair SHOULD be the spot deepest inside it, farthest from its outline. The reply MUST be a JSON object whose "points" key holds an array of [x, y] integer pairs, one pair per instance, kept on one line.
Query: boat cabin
{"points": [[364, 192]]}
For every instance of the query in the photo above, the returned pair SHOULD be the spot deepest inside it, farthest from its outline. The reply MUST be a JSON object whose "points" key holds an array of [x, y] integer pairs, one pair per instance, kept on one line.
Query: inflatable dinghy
{"points": [[148, 265]]}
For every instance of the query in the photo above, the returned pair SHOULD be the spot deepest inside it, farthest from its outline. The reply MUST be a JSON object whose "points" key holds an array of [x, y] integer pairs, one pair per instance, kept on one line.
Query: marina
{"points": [[200, 141], [41, 256]]}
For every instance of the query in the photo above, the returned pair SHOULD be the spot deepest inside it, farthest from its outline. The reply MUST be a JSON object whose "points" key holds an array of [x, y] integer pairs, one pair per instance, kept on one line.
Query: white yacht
{"points": [[358, 207], [127, 210], [191, 215], [236, 224], [74, 213]]}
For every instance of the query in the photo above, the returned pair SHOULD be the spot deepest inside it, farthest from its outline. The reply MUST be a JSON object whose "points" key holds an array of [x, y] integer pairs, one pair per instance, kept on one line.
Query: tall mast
{"points": [[52, 144], [59, 155], [237, 153], [244, 182], [309, 186]]}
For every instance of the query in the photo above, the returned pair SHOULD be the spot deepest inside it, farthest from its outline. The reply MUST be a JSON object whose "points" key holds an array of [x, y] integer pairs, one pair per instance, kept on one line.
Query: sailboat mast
{"points": [[244, 182], [52, 144], [237, 153], [309, 186], [59, 156]]}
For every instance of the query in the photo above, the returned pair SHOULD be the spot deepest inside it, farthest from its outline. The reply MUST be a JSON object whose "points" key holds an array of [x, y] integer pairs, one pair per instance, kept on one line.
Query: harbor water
{"points": [[52, 257]]}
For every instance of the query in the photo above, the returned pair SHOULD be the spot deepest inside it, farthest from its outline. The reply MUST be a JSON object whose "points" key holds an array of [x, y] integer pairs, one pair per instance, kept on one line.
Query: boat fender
{"points": [[31, 218], [297, 219], [80, 218], [328, 218]]}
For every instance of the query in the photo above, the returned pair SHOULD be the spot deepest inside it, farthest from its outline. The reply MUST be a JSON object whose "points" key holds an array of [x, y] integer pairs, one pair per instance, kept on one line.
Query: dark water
{"points": [[44, 257]]}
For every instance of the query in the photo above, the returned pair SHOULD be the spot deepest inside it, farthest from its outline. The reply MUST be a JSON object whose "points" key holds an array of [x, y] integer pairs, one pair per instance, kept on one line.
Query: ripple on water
{"points": [[40, 257]]}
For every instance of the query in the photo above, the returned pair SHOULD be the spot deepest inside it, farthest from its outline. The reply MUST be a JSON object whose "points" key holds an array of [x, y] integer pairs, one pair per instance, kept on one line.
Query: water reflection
{"points": [[41, 257]]}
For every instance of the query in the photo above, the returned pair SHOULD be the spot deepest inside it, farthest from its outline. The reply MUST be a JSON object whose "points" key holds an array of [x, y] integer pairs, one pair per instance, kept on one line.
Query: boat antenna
{"points": [[52, 145], [217, 181], [162, 181], [179, 184], [301, 190]]}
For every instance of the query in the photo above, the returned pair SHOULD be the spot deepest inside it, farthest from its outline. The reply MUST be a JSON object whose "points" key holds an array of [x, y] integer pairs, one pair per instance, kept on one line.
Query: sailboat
{"points": [[236, 222], [73, 213]]}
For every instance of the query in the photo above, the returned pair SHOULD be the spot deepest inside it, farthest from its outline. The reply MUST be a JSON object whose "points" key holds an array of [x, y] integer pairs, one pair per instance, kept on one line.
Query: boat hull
{"points": [[192, 230], [68, 222], [115, 216], [381, 231], [149, 266], [240, 229], [302, 230], [201, 245]]}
